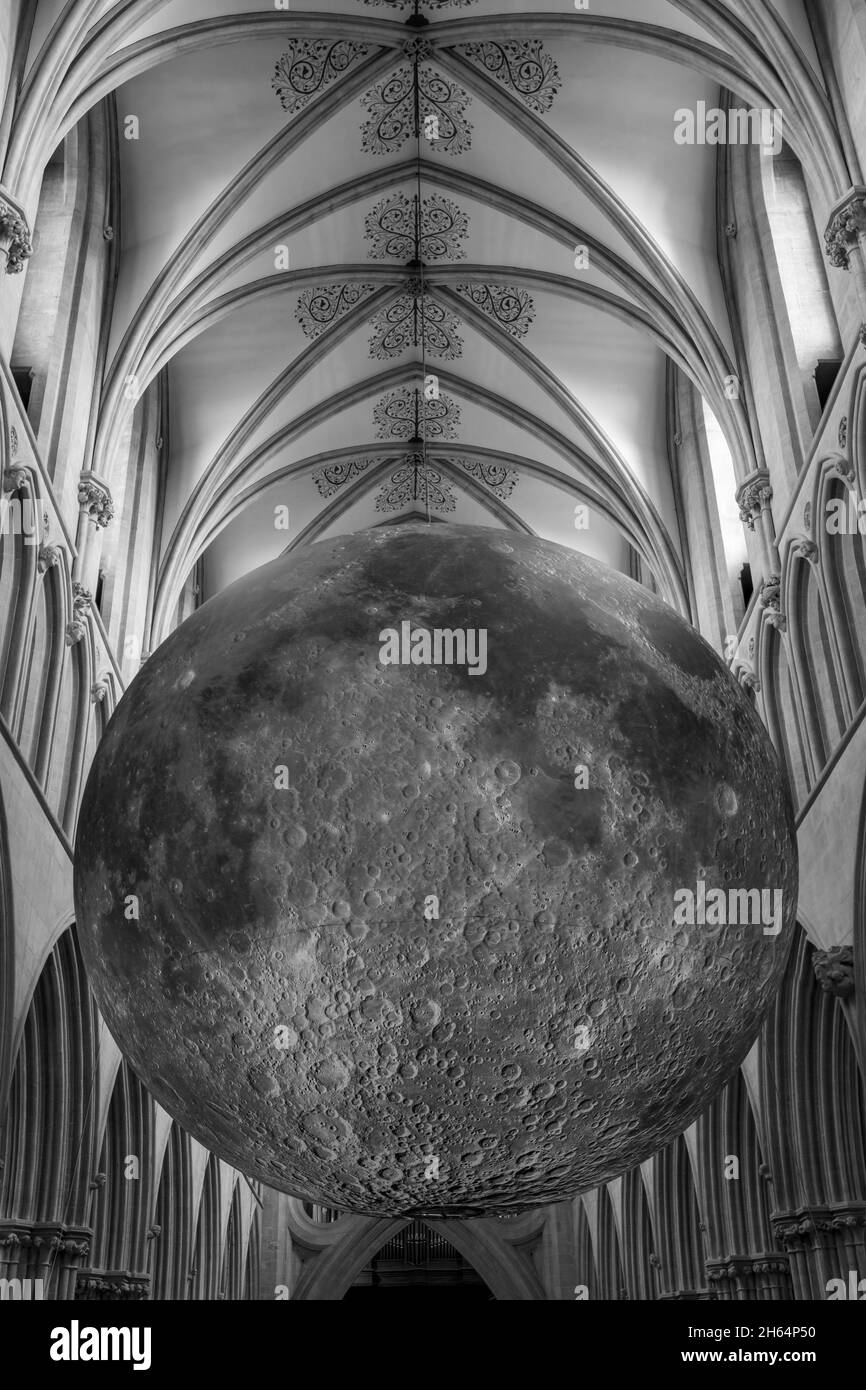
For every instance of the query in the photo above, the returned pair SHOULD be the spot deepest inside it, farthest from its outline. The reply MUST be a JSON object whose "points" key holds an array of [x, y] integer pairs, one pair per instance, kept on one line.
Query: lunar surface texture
{"points": [[438, 925]]}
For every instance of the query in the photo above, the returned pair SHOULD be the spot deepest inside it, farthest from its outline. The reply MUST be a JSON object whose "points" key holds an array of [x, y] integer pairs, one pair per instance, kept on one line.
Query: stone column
{"points": [[750, 1278], [755, 496], [47, 1254], [824, 1244], [18, 481], [96, 511]]}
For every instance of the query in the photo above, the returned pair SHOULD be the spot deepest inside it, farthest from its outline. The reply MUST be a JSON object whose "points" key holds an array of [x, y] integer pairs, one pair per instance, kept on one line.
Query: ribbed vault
{"points": [[319, 209]]}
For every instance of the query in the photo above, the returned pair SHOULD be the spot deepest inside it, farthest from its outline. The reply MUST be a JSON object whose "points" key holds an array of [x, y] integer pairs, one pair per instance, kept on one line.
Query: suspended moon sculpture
{"points": [[435, 870]]}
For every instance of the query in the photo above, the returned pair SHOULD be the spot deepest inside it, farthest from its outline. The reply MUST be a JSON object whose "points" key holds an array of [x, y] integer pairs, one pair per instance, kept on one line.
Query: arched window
{"points": [[802, 272], [41, 311]]}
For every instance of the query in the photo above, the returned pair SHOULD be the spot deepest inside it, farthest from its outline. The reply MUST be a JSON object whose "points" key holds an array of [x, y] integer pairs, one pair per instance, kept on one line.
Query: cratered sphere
{"points": [[435, 870]]}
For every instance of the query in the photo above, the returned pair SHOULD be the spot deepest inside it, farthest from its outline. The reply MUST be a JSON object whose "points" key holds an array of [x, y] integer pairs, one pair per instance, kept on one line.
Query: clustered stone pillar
{"points": [[827, 1243], [748, 1278], [48, 1254], [823, 1244]]}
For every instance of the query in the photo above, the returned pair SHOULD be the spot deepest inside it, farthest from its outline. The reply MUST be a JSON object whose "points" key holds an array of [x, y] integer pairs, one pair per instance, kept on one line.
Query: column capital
{"points": [[753, 495], [846, 225], [94, 498], [14, 235]]}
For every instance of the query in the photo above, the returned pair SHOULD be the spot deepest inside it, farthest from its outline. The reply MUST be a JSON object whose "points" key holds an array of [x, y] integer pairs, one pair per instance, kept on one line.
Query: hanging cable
{"points": [[422, 291]]}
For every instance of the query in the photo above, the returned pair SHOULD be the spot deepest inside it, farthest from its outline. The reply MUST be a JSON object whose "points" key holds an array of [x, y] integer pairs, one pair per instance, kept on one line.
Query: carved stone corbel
{"points": [[747, 678], [81, 602], [843, 468], [15, 479], [834, 970], [806, 549], [48, 557], [770, 601]]}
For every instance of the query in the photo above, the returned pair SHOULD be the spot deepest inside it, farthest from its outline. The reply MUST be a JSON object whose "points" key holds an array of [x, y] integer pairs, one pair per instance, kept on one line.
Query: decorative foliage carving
{"points": [[417, 48], [407, 414], [500, 479], [409, 321], [424, 4], [511, 308], [15, 232], [92, 1286], [843, 432], [47, 557], [846, 227], [13, 440], [523, 67], [319, 308], [741, 1266], [335, 475], [416, 482], [399, 230], [95, 499], [799, 1230], [309, 65], [415, 92], [755, 494]]}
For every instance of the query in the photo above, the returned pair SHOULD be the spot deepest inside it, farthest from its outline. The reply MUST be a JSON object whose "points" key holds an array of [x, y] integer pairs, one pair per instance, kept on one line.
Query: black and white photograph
{"points": [[432, 677]]}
